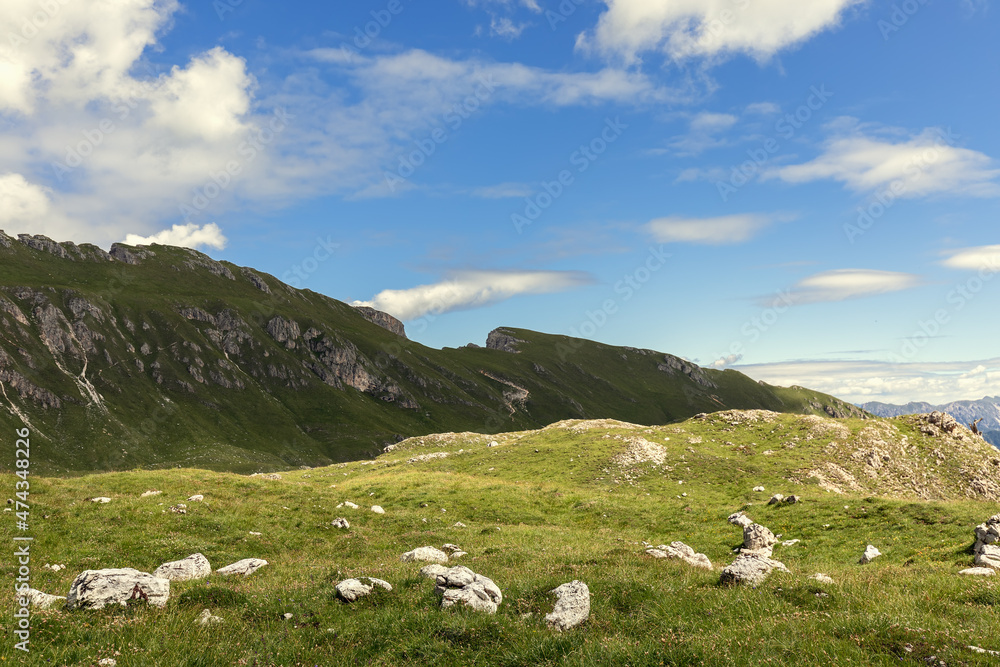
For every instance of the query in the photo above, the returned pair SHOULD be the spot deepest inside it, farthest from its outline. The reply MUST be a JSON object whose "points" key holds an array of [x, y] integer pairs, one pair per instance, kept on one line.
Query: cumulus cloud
{"points": [[21, 202], [843, 284], [471, 289], [707, 28], [188, 236], [869, 380], [713, 231], [974, 259], [921, 165]]}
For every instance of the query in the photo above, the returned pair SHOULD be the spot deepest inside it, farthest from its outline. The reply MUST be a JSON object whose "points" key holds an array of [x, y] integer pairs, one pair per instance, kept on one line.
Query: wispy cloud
{"points": [[859, 381], [472, 289], [975, 259], [709, 28], [843, 284], [922, 165], [713, 231], [188, 236], [703, 133], [503, 191]]}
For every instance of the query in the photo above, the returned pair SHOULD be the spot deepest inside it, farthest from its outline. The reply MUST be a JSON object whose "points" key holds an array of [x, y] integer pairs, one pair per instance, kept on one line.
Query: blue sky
{"points": [[804, 191]]}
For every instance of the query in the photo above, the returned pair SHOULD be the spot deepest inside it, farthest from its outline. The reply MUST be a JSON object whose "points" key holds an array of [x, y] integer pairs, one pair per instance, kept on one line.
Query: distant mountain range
{"points": [[964, 411], [161, 356]]}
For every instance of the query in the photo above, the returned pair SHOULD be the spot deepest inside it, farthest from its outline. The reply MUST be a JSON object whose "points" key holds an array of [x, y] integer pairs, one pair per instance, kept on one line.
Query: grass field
{"points": [[540, 509]]}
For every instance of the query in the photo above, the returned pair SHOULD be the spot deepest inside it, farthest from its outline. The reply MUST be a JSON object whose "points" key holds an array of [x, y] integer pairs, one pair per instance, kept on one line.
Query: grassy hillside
{"points": [[572, 501], [164, 358]]}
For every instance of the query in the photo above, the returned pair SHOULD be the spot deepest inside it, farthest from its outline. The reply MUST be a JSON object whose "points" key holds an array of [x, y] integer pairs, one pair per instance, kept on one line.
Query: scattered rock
{"points": [[821, 578], [94, 589], [206, 618], [350, 590], [572, 608], [432, 571], [751, 569], [493, 443], [987, 547], [246, 567], [347, 503], [340, 522], [195, 566], [40, 600], [255, 533], [459, 524], [54, 568], [460, 585], [273, 476], [451, 548], [870, 554], [147, 494], [758, 489], [196, 498], [758, 539], [107, 662], [978, 649], [789, 543], [100, 499], [378, 509], [776, 499], [287, 616], [979, 572], [429, 554], [740, 519], [680, 551], [179, 508], [988, 555]]}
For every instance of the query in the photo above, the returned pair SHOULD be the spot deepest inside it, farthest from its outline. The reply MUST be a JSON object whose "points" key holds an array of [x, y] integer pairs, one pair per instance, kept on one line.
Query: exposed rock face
{"points": [[95, 589], [284, 331], [461, 586], [245, 567], [384, 320], [130, 254], [195, 566], [681, 551], [429, 554], [672, 364], [870, 554], [40, 600], [751, 569], [202, 261], [255, 280], [350, 590], [740, 519], [572, 608], [503, 340]]}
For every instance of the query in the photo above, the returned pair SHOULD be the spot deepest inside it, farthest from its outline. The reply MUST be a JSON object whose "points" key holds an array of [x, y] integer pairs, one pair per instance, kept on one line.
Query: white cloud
{"points": [[975, 259], [866, 380], [702, 133], [713, 231], [471, 289], [842, 284], [922, 165], [503, 191], [762, 108], [188, 236], [506, 28], [689, 28], [21, 203], [727, 361]]}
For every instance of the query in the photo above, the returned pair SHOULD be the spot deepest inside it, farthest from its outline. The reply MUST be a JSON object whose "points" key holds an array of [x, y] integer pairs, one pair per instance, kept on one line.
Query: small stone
{"points": [[350, 590], [459, 524], [870, 554], [429, 554], [788, 543], [255, 533], [340, 522], [758, 489], [196, 498], [821, 578], [287, 616], [378, 509], [40, 600], [147, 494], [493, 443], [450, 548], [752, 569], [791, 500], [572, 608], [107, 662], [206, 618], [775, 499], [246, 567], [100, 499], [978, 572], [195, 566], [432, 571], [740, 519]]}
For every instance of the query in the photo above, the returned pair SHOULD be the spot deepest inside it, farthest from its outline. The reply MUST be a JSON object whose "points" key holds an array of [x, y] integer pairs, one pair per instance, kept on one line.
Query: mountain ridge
{"points": [[965, 411], [162, 356]]}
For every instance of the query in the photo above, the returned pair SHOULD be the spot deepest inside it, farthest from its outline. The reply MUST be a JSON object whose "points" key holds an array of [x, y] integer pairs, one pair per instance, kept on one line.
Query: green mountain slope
{"points": [[160, 356]]}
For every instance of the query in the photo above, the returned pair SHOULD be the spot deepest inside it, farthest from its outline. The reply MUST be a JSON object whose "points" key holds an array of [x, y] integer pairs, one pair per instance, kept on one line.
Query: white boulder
{"points": [[195, 566], [350, 590], [245, 567], [40, 600], [95, 589], [751, 569], [572, 608], [429, 554], [680, 551], [870, 554]]}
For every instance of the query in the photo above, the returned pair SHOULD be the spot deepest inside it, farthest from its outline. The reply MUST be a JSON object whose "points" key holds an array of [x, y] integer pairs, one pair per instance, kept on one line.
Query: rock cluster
{"points": [[987, 547]]}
